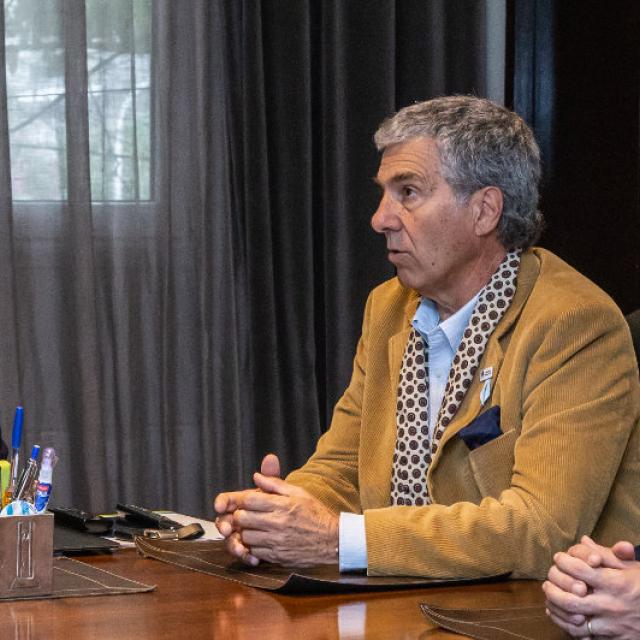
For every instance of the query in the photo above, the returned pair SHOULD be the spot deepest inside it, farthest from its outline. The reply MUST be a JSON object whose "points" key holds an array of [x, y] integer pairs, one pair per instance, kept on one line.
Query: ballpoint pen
{"points": [[16, 441], [29, 474]]}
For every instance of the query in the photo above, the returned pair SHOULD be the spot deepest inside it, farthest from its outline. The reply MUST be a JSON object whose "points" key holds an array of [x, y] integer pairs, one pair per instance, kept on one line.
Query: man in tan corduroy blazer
{"points": [[558, 454]]}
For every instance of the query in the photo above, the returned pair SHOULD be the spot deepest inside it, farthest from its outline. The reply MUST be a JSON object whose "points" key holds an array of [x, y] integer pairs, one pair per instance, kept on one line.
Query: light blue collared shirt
{"points": [[442, 339]]}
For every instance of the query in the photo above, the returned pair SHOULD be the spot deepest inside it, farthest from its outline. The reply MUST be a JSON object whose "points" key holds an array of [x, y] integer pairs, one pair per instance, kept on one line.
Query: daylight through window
{"points": [[118, 53]]}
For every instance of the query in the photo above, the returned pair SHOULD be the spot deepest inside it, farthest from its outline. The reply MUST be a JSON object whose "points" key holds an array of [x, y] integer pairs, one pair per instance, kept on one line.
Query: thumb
{"points": [[270, 465], [624, 551], [276, 485]]}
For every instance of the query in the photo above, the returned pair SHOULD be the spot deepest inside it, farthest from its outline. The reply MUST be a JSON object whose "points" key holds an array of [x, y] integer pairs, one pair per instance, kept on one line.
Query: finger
{"points": [[225, 525], [235, 546], [276, 485], [596, 578], [624, 551], [276, 556], [589, 542], [608, 557], [251, 559], [575, 567], [566, 582], [576, 619], [238, 549], [266, 554], [228, 502], [270, 466], [586, 553], [571, 629], [221, 502], [566, 601], [257, 520], [262, 501], [254, 539]]}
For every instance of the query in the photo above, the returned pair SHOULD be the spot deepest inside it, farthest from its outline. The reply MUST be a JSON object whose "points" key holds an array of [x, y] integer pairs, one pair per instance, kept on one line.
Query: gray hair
{"points": [[480, 144]]}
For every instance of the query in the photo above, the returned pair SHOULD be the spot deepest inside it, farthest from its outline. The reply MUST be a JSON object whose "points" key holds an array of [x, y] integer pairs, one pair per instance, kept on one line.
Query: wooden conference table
{"points": [[187, 604]]}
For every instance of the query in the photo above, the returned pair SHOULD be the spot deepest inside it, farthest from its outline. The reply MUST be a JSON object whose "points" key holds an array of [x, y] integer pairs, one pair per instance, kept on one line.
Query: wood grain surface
{"points": [[193, 605]]}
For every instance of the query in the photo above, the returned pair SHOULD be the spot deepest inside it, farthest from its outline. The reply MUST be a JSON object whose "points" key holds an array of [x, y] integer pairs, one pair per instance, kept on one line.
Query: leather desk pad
{"points": [[520, 622], [72, 578], [210, 557]]}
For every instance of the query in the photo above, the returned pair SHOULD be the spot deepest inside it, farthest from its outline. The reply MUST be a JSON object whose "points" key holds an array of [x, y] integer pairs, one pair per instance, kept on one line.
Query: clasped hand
{"points": [[594, 591], [277, 522]]}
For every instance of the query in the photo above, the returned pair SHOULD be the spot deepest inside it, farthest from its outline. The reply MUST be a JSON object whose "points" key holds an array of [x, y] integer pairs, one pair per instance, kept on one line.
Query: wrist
{"points": [[332, 540]]}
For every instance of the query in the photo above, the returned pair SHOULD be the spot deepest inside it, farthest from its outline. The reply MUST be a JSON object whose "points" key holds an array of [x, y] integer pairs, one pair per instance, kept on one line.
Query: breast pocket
{"points": [[492, 464]]}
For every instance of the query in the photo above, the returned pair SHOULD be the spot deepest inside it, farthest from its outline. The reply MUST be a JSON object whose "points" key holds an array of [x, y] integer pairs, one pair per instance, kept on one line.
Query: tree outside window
{"points": [[118, 53]]}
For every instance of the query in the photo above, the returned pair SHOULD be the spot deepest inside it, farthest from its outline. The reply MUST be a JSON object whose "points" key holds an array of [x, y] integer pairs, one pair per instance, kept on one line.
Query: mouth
{"points": [[393, 255]]}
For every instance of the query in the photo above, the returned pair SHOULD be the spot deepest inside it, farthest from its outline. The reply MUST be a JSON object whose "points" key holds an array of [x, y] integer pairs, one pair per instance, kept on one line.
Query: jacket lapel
{"points": [[494, 352], [395, 351], [398, 342]]}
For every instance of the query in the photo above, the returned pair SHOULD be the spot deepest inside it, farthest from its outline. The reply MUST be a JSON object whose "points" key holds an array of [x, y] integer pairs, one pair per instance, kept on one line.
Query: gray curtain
{"points": [[181, 290]]}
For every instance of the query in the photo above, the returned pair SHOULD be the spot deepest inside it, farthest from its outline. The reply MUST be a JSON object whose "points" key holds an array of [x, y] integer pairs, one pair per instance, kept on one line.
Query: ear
{"points": [[487, 210]]}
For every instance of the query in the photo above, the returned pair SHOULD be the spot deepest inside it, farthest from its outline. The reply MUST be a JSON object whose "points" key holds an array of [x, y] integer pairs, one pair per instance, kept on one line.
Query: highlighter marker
{"points": [[5, 471]]}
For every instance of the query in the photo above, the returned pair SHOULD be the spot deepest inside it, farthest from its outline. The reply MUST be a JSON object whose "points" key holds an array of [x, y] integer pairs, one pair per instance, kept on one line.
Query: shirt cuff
{"points": [[352, 554]]}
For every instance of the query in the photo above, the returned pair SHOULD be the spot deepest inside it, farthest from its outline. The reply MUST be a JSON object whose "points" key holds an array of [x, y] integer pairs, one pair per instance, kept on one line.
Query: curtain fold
{"points": [[79, 333], [168, 342]]}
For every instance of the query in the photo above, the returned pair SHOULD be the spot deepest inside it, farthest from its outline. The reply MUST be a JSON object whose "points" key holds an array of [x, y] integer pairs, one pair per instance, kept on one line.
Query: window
{"points": [[118, 55]]}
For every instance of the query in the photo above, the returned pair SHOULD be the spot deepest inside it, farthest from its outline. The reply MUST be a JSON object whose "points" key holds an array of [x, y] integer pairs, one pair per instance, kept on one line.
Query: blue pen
{"points": [[16, 441]]}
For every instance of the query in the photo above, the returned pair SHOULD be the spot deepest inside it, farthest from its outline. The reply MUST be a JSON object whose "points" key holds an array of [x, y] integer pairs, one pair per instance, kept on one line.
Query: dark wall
{"points": [[573, 72]]}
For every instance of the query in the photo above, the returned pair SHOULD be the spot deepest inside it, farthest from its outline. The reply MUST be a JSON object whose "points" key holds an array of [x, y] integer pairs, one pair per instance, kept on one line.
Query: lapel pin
{"points": [[485, 392], [486, 374]]}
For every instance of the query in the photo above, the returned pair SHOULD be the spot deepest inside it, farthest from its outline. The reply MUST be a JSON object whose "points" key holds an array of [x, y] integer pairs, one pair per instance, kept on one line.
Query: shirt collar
{"points": [[427, 319]]}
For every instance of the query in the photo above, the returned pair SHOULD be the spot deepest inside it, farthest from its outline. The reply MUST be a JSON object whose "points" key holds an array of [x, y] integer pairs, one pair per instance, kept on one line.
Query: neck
{"points": [[478, 274]]}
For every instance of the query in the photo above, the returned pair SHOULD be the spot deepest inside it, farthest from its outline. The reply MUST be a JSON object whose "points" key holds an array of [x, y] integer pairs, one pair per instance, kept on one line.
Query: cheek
{"points": [[430, 243]]}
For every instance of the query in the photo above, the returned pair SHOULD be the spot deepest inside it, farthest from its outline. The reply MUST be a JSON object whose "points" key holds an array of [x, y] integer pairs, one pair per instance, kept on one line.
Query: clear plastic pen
{"points": [[28, 475]]}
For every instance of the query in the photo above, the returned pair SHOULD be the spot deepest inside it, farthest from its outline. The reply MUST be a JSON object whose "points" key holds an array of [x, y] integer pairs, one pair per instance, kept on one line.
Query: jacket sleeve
{"points": [[574, 380]]}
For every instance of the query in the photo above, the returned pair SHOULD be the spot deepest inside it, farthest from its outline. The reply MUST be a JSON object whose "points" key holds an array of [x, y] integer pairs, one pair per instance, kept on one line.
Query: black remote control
{"points": [[146, 517], [81, 520]]}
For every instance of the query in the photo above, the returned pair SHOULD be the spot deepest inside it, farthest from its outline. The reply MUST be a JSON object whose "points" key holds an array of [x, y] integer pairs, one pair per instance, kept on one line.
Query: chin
{"points": [[405, 280], [408, 282]]}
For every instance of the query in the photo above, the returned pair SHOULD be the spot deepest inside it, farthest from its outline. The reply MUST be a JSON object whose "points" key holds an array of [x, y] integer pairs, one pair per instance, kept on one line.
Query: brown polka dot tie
{"points": [[414, 449]]}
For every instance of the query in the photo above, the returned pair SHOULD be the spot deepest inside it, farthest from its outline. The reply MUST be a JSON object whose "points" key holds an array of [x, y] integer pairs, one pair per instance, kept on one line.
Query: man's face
{"points": [[430, 237]]}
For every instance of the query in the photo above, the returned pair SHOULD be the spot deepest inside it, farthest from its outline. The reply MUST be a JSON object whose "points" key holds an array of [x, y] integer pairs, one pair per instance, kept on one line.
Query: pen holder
{"points": [[26, 556]]}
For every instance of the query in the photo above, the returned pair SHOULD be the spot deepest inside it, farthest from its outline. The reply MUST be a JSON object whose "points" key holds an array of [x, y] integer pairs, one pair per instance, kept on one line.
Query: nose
{"points": [[387, 215]]}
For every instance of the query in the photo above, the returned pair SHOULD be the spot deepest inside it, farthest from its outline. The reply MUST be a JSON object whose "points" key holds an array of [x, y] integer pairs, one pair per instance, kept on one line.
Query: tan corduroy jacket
{"points": [[567, 462]]}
